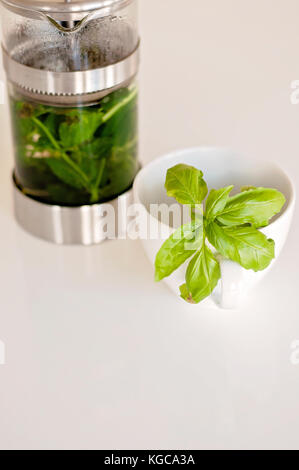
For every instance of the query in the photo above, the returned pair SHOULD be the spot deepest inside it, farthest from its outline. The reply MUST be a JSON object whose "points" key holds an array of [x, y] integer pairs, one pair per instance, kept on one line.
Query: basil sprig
{"points": [[227, 223]]}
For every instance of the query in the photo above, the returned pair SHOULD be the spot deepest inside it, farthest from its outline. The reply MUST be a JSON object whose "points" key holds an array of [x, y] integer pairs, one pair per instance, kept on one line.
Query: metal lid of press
{"points": [[62, 9], [48, 53]]}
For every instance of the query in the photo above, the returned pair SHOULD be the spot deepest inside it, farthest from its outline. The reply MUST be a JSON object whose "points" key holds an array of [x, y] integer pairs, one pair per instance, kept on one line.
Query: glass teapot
{"points": [[71, 68]]}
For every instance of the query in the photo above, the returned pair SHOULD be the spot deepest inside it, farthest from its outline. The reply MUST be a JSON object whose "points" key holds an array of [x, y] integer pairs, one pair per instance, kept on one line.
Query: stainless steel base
{"points": [[86, 225]]}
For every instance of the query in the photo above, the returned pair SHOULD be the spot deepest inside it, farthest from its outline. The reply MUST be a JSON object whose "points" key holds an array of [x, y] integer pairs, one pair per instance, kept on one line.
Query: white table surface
{"points": [[98, 356]]}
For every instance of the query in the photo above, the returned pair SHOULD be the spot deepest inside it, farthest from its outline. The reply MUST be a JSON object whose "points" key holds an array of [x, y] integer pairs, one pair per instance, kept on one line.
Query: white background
{"points": [[98, 355]]}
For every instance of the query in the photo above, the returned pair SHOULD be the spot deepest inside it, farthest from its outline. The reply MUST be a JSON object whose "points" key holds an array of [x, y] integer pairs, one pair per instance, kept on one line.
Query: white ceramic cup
{"points": [[221, 167]]}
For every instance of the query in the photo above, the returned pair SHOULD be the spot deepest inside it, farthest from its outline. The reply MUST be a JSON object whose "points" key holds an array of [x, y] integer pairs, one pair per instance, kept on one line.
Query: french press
{"points": [[71, 68]]}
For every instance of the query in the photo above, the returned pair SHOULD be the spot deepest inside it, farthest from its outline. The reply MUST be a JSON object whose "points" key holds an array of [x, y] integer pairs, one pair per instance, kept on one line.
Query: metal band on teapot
{"points": [[71, 83]]}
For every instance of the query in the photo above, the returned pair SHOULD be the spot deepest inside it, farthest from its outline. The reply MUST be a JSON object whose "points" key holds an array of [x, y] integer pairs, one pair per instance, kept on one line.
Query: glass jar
{"points": [[71, 70]]}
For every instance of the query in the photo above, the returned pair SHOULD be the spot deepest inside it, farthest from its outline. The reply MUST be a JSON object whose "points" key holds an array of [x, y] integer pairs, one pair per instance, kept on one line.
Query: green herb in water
{"points": [[229, 224], [74, 156]]}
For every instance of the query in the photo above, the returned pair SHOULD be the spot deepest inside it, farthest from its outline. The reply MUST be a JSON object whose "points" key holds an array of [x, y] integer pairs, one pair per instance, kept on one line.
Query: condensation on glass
{"points": [[73, 96]]}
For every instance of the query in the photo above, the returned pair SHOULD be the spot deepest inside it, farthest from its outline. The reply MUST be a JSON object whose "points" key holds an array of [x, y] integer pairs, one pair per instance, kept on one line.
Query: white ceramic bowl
{"points": [[221, 167]]}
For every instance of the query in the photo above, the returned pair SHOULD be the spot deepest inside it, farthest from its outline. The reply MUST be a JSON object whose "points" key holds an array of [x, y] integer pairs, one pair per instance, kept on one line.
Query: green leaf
{"points": [[247, 188], [186, 184], [256, 207], [216, 201], [117, 102], [96, 149], [185, 294], [91, 168], [122, 125], [65, 172], [122, 167], [244, 245], [25, 109], [79, 127], [177, 249], [91, 152], [66, 195], [52, 122], [202, 276], [25, 129]]}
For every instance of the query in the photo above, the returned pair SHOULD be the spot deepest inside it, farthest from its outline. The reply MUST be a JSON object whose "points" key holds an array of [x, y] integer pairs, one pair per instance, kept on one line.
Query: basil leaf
{"points": [[122, 124], [216, 201], [122, 166], [229, 223], [244, 245], [115, 103], [91, 168], [185, 294], [256, 207], [177, 249], [65, 173], [96, 149], [90, 151], [66, 195], [202, 276], [247, 188], [186, 184], [80, 126]]}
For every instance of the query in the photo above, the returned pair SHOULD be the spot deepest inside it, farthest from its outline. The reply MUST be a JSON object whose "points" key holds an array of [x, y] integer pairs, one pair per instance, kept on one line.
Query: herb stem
{"points": [[101, 171], [64, 155], [47, 132], [120, 105], [75, 167], [95, 189]]}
